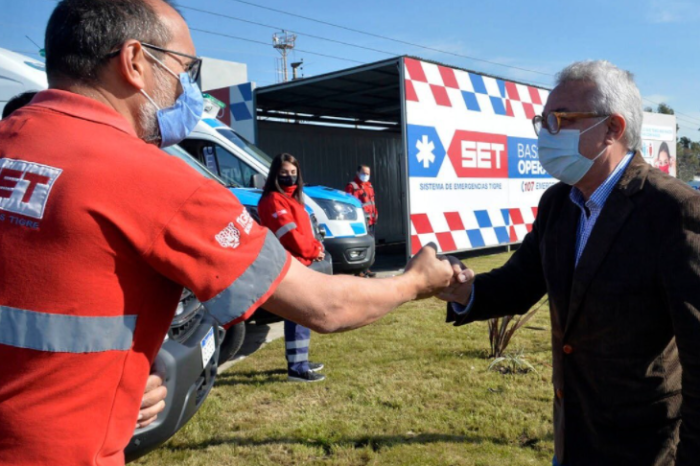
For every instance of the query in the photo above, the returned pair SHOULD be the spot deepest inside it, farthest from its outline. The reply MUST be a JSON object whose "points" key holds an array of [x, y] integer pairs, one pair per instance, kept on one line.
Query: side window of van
{"points": [[232, 168], [219, 160]]}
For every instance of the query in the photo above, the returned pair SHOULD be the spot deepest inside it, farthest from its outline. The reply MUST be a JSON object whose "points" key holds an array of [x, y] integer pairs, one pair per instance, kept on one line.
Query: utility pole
{"points": [[284, 43]]}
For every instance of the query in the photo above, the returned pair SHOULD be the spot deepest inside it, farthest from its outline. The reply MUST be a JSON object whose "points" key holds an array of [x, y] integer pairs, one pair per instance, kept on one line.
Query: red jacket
{"points": [[89, 280], [288, 220], [365, 193]]}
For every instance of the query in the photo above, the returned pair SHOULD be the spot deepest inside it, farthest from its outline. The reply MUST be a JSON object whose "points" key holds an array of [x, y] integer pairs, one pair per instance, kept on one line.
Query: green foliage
{"points": [[512, 363], [502, 329], [688, 161], [688, 156], [665, 109]]}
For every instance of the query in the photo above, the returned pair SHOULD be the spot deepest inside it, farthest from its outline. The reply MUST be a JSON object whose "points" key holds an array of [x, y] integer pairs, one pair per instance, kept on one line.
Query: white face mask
{"points": [[559, 154], [363, 177]]}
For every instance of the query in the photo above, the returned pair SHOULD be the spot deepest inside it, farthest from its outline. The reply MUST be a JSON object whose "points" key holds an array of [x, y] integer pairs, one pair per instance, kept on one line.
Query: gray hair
{"points": [[615, 92]]}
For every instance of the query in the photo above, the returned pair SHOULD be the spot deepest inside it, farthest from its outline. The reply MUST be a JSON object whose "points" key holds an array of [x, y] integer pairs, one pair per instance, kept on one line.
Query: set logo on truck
{"points": [[473, 155]]}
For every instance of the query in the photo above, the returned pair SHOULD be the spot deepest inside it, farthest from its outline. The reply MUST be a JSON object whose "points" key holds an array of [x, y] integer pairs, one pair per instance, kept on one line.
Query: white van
{"points": [[19, 74], [237, 162]]}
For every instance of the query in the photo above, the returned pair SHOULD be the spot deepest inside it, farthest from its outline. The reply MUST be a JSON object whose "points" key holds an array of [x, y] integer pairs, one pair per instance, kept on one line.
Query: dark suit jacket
{"points": [[624, 320]]}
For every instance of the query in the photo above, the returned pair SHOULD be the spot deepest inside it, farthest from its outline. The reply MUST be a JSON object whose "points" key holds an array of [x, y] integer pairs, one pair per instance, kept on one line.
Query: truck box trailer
{"points": [[453, 151]]}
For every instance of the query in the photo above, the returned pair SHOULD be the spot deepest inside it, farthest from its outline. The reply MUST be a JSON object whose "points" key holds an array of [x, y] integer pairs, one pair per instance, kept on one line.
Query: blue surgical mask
{"points": [[559, 154], [178, 121], [363, 177]]}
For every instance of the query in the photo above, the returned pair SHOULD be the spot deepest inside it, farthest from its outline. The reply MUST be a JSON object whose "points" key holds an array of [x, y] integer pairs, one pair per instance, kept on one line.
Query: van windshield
{"points": [[245, 145], [183, 155]]}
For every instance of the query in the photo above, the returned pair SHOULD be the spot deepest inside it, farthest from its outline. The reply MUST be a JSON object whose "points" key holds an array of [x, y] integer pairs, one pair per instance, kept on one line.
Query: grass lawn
{"points": [[408, 390]]}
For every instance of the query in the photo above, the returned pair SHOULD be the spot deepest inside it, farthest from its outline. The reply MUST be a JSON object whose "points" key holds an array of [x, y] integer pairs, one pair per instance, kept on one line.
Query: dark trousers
{"points": [[296, 340], [297, 337]]}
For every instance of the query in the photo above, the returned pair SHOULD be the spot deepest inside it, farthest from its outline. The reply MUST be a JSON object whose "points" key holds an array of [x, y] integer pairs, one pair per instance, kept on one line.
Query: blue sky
{"points": [[658, 40]]}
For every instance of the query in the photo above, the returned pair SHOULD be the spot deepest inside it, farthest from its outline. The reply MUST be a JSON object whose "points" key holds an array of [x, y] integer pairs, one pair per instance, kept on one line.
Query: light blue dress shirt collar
{"points": [[591, 209]]}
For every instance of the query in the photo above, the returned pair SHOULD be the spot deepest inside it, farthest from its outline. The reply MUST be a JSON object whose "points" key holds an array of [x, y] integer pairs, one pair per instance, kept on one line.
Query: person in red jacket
{"points": [[363, 190], [153, 402], [281, 209]]}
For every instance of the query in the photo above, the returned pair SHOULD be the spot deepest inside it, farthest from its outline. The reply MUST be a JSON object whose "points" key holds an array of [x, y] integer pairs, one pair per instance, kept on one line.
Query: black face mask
{"points": [[287, 180]]}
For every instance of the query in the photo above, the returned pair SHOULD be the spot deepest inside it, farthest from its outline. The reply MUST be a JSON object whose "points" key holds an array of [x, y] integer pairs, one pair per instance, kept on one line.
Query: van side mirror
{"points": [[257, 181]]}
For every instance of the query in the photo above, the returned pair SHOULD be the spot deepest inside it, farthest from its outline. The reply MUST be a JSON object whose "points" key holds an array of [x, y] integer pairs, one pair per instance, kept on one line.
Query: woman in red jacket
{"points": [[281, 209]]}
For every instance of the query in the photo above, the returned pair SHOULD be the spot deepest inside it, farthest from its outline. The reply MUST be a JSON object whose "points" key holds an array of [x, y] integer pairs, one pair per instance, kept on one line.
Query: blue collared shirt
{"points": [[590, 211]]}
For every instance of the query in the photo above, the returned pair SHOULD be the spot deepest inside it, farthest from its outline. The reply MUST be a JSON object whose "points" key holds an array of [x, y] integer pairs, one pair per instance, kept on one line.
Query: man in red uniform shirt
{"points": [[363, 190], [153, 402], [100, 230]]}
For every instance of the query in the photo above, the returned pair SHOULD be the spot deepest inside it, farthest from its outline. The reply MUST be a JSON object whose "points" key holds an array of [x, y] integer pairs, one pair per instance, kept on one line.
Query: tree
{"points": [[688, 163], [665, 109]]}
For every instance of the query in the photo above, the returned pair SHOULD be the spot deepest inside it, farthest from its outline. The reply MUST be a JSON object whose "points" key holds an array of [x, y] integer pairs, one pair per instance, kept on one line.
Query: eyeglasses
{"points": [[193, 68], [552, 122]]}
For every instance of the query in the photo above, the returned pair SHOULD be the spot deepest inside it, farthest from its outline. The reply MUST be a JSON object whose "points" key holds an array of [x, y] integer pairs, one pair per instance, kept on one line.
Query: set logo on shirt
{"points": [[25, 186], [229, 237]]}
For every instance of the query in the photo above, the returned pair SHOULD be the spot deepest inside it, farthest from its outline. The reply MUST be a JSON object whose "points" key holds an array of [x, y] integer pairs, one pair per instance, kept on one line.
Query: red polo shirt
{"points": [[99, 232]]}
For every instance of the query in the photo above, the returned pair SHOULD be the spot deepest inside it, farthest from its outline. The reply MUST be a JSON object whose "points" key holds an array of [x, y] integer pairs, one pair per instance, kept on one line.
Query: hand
{"points": [[153, 401], [431, 274], [320, 257], [460, 289]]}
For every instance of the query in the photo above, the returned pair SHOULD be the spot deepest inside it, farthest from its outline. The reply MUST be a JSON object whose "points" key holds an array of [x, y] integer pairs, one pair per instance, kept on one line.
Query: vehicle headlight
{"points": [[336, 210], [184, 298]]}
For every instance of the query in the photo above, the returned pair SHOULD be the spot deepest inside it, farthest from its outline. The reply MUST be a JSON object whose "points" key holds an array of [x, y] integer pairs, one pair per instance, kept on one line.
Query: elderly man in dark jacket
{"points": [[616, 246]]}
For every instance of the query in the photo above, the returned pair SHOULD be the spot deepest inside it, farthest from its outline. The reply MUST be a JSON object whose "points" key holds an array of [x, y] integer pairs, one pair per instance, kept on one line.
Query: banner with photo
{"points": [[659, 141]]}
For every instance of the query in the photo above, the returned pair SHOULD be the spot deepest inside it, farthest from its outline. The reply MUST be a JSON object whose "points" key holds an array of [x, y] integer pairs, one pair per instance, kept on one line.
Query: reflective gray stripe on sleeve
{"points": [[61, 333], [367, 204], [252, 285], [354, 185], [284, 229], [298, 344]]}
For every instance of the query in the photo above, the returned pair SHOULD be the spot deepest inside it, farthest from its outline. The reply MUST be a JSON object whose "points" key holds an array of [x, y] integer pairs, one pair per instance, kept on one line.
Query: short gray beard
{"points": [[148, 120]]}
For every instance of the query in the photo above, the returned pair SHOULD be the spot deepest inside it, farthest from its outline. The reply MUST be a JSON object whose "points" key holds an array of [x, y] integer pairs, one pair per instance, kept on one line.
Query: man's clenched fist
{"points": [[430, 273]]}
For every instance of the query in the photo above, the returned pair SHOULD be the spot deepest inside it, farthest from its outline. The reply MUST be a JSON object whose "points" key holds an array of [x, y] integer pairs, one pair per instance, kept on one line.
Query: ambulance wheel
{"points": [[232, 342]]}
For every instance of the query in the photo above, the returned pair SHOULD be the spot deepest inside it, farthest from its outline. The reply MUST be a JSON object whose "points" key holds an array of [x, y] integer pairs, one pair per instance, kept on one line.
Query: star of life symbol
{"points": [[229, 237], [425, 151], [245, 221]]}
